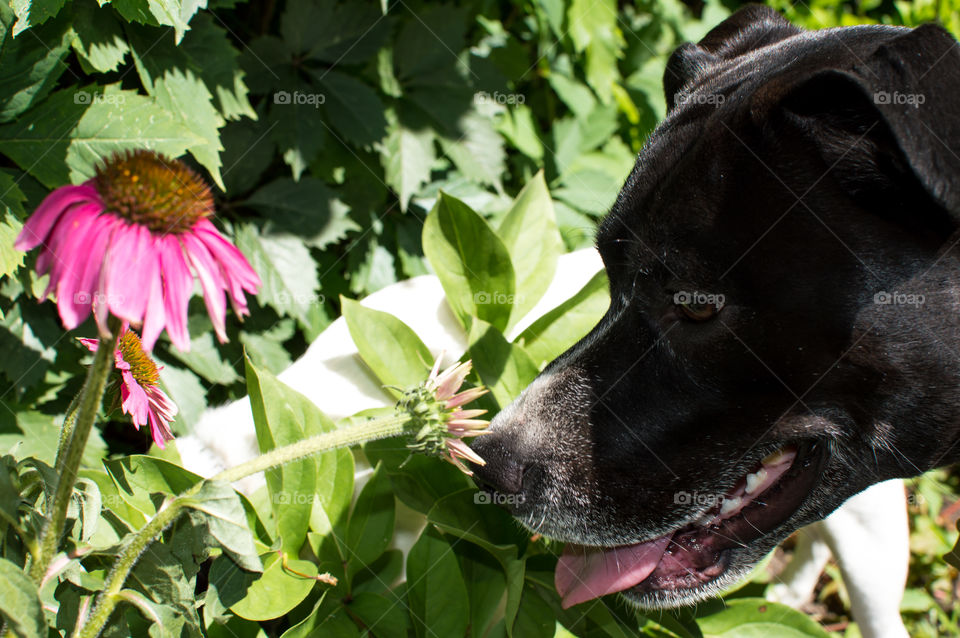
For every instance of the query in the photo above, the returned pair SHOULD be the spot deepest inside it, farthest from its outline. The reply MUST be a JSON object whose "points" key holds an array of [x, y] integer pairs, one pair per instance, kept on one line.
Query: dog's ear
{"points": [[749, 28], [892, 120]]}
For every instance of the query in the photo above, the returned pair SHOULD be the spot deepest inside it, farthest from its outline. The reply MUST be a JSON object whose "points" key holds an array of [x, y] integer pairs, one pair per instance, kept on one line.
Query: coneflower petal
{"points": [[211, 280], [466, 397], [177, 287], [155, 316], [458, 448], [134, 400], [38, 226], [131, 266]]}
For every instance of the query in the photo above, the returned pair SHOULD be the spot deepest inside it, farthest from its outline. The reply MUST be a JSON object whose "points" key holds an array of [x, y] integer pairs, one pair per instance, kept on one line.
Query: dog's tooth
{"points": [[755, 480], [730, 504], [774, 457]]}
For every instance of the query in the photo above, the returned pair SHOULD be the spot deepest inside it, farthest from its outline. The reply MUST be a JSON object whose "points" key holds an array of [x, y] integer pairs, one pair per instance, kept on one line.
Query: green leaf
{"points": [[298, 130], [214, 58], [485, 582], [407, 155], [176, 13], [593, 27], [384, 618], [261, 596], [286, 269], [552, 334], [503, 367], [306, 208], [206, 359], [336, 33], [438, 595], [535, 618], [186, 96], [393, 351], [226, 523], [31, 13], [353, 108], [529, 232], [139, 477], [19, 604], [471, 261], [11, 212], [476, 149], [98, 37], [31, 65], [280, 415], [371, 521], [758, 618]]}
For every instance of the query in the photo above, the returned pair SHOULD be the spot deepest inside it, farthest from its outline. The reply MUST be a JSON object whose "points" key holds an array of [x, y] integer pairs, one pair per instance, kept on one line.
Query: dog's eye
{"points": [[698, 311]]}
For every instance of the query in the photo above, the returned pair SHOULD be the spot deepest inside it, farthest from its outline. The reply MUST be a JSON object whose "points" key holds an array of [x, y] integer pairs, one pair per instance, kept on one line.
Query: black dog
{"points": [[784, 327]]}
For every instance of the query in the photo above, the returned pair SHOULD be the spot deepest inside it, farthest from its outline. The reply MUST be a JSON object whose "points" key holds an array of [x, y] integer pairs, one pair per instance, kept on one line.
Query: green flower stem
{"points": [[67, 428], [377, 428], [108, 598], [68, 465]]}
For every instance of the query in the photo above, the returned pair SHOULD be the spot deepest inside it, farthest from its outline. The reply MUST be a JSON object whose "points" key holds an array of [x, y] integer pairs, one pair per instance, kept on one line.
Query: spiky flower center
{"points": [[142, 367], [146, 188], [429, 417]]}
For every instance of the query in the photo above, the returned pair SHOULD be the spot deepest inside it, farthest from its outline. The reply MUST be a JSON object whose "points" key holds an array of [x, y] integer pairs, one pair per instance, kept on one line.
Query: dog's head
{"points": [[783, 327]]}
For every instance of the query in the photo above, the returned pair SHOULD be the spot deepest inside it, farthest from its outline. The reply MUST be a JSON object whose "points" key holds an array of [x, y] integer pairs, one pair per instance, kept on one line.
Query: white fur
{"points": [[868, 534]]}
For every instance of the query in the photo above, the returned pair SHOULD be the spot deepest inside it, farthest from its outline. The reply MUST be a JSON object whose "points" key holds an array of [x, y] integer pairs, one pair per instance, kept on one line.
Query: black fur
{"points": [[799, 195]]}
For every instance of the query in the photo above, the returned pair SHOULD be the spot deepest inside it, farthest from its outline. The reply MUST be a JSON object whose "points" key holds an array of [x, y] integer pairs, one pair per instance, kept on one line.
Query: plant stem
{"points": [[68, 465], [107, 599], [67, 428], [376, 428]]}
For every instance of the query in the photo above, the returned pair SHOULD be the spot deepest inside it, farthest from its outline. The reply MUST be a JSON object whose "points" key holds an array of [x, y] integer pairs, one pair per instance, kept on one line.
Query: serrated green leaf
{"points": [[336, 33], [20, 605], [213, 57], [549, 336], [286, 268], [306, 208], [438, 596], [407, 156], [298, 130], [529, 232], [11, 212], [186, 96], [31, 13], [393, 351], [476, 149], [98, 36], [471, 261], [176, 13], [353, 108], [31, 65]]}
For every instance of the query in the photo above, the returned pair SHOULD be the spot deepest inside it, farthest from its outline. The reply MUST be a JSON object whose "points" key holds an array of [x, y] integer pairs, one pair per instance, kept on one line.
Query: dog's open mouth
{"points": [[695, 553]]}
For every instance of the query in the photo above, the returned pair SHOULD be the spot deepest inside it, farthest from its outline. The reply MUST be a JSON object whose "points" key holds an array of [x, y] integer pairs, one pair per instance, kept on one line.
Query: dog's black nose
{"points": [[503, 470]]}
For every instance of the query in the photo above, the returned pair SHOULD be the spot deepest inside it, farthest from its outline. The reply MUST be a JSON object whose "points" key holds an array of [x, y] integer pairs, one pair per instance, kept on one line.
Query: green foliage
{"points": [[350, 145]]}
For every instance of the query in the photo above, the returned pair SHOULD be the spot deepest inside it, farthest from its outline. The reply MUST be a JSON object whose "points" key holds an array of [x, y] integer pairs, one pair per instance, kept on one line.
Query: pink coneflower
{"points": [[140, 396], [445, 423], [124, 243]]}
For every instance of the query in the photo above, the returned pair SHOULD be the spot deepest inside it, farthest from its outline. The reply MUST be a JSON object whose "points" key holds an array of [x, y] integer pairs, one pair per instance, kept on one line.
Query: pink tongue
{"points": [[583, 574]]}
